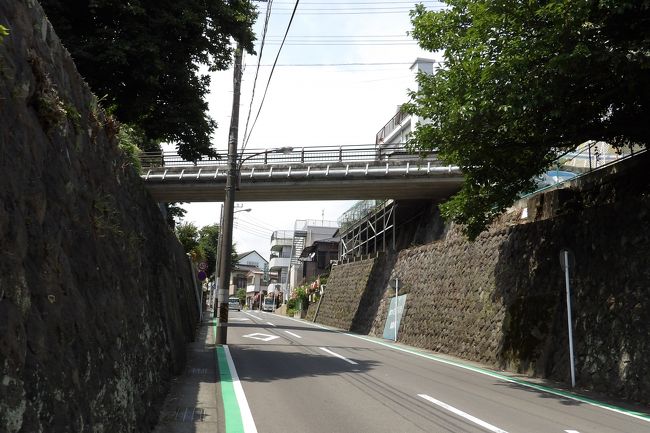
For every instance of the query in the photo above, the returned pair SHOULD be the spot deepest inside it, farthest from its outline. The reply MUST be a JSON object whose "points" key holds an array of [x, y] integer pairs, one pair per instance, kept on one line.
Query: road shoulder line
{"points": [[567, 394]]}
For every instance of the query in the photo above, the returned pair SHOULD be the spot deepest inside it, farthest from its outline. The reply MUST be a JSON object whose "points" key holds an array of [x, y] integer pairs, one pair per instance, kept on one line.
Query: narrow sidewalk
{"points": [[193, 403]]}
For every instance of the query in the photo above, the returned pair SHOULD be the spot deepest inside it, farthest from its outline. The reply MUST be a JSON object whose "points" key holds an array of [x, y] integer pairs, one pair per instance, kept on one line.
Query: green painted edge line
{"points": [[639, 415], [231, 411]]}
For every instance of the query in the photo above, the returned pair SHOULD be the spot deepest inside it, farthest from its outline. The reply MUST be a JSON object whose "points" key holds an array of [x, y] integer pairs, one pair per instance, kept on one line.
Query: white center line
{"points": [[463, 414], [291, 333], [337, 355], [270, 323], [571, 431]]}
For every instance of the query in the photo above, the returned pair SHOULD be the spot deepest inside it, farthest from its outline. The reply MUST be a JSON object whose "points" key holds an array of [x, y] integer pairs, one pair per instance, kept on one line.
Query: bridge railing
{"points": [[302, 155]]}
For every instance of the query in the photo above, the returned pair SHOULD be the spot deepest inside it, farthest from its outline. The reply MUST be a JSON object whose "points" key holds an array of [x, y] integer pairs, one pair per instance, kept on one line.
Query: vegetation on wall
{"points": [[520, 83], [146, 56]]}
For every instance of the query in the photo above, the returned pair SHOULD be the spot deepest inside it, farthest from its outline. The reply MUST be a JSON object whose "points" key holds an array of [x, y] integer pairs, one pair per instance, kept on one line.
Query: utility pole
{"points": [[229, 203]]}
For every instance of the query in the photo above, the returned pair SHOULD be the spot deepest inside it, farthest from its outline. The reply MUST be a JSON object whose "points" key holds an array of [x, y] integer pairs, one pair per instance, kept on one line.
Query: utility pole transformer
{"points": [[225, 259]]}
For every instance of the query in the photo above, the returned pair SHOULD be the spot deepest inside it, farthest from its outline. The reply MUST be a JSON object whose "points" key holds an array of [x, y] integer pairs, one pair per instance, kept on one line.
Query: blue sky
{"points": [[314, 105]]}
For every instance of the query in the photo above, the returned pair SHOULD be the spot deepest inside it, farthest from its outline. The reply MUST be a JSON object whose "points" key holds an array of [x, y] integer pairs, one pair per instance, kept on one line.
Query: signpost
{"points": [[395, 311], [567, 261]]}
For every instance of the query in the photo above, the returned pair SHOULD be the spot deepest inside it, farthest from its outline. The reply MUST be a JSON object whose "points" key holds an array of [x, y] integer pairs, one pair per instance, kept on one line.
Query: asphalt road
{"points": [[298, 377]]}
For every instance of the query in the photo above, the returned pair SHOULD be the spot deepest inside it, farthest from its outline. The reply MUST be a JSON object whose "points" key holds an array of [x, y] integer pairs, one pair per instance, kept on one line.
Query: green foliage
{"points": [[522, 82], [241, 295], [129, 141], [188, 235], [301, 294], [208, 245], [175, 213], [3, 32], [146, 56]]}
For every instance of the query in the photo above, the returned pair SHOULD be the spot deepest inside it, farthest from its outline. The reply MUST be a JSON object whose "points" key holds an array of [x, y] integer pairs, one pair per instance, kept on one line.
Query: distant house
{"points": [[317, 257], [250, 261]]}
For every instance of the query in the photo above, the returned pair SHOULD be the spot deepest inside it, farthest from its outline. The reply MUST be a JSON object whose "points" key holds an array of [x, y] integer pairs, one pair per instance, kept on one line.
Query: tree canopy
{"points": [[202, 244], [521, 82], [143, 57]]}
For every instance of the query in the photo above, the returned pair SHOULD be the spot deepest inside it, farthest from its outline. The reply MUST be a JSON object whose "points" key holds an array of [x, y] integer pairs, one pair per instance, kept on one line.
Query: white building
{"points": [[395, 133], [305, 233]]}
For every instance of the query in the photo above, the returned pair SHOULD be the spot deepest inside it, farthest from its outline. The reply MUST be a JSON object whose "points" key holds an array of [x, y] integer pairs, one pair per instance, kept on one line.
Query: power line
{"points": [[376, 43], [257, 69], [342, 64], [271, 73], [409, 2]]}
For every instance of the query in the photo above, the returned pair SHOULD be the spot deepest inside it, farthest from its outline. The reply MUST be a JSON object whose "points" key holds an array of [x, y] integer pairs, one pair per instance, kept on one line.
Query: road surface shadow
{"points": [[257, 365]]}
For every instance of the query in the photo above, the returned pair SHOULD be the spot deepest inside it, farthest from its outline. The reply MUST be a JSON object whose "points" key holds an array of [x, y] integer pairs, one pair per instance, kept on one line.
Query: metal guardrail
{"points": [[586, 158], [304, 155]]}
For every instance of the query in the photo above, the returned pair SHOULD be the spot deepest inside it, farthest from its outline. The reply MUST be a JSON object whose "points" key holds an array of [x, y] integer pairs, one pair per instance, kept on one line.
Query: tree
{"points": [[188, 235], [175, 213], [209, 245], [143, 57], [241, 294], [522, 82]]}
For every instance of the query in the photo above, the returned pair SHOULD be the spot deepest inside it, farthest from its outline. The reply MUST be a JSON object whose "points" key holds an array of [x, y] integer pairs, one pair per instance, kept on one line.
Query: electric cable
{"points": [[268, 82], [257, 69]]}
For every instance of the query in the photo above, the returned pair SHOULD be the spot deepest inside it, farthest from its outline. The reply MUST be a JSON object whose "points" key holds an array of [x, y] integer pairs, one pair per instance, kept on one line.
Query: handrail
{"points": [[302, 155], [567, 162]]}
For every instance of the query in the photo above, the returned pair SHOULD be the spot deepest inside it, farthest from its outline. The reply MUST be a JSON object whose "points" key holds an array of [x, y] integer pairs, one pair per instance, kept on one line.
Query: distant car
{"points": [[268, 304], [233, 304]]}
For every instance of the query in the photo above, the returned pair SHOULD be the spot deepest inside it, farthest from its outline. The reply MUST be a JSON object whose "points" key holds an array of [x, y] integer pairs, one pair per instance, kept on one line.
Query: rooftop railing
{"points": [[390, 126]]}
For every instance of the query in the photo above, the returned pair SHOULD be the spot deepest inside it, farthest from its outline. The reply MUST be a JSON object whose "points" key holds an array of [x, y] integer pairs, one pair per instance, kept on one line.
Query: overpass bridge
{"points": [[310, 173]]}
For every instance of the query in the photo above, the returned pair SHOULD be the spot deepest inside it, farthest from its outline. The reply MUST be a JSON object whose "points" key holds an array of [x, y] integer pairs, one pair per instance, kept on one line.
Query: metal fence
{"points": [[303, 155]]}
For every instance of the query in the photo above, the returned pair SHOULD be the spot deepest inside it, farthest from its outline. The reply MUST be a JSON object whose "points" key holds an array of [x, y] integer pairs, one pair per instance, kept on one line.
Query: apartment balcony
{"points": [[252, 288], [385, 134], [281, 238], [278, 263]]}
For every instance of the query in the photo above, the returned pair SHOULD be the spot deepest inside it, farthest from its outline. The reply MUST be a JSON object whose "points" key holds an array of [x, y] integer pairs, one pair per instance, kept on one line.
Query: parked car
{"points": [[233, 304], [268, 304]]}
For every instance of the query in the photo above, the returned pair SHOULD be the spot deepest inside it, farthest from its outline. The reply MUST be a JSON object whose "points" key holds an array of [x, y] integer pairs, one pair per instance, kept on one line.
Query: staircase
{"points": [[299, 238]]}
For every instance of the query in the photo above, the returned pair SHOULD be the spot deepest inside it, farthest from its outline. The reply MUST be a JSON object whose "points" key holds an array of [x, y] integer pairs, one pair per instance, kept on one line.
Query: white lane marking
{"points": [[269, 323], [260, 336], [246, 416], [571, 431], [637, 415], [239, 319], [463, 414], [337, 355], [291, 333], [249, 314]]}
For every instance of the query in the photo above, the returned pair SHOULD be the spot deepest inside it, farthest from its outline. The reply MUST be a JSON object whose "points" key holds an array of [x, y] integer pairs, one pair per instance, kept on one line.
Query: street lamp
{"points": [[225, 266], [285, 150]]}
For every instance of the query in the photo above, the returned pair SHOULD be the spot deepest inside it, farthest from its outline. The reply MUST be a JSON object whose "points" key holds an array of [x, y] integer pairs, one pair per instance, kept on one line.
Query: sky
{"points": [[313, 105]]}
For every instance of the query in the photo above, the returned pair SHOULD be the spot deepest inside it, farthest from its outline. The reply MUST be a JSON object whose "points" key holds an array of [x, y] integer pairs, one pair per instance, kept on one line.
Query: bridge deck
{"points": [[301, 177]]}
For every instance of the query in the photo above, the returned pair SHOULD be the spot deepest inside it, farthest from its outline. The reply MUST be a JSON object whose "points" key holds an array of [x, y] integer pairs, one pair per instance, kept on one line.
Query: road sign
{"points": [[567, 257], [202, 276], [203, 266]]}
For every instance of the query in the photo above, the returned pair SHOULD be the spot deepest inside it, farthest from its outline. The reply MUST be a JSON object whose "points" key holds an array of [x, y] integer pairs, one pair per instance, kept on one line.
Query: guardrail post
{"points": [[340, 153], [302, 155], [266, 156]]}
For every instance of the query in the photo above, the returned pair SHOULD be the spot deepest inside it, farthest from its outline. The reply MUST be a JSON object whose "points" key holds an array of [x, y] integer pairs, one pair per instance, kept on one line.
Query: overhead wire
{"points": [[257, 69], [268, 82]]}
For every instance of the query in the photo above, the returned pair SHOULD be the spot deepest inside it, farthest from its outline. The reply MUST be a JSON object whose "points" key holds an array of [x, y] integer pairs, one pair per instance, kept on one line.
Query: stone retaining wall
{"points": [[501, 299], [97, 300]]}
